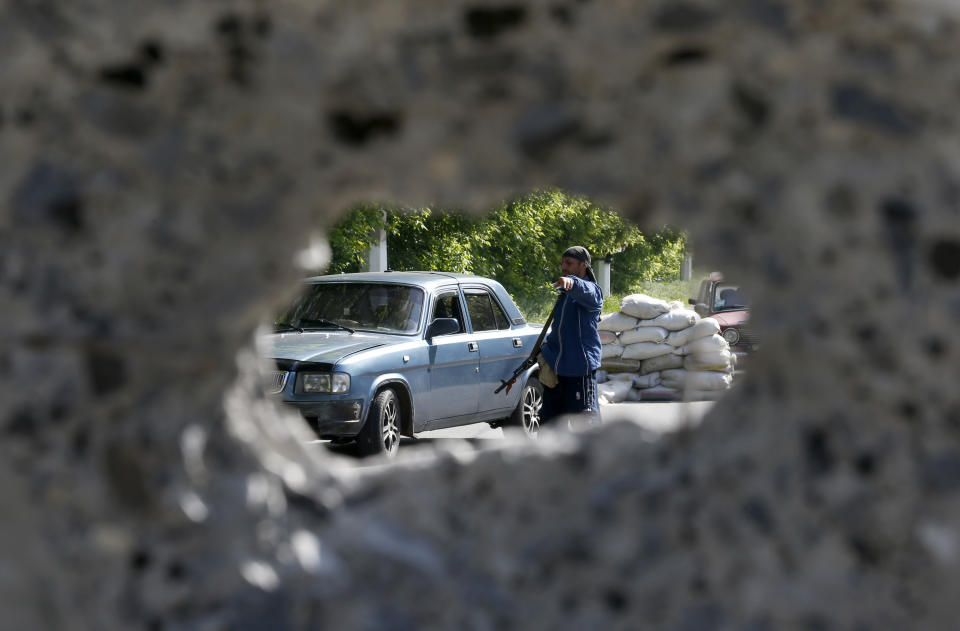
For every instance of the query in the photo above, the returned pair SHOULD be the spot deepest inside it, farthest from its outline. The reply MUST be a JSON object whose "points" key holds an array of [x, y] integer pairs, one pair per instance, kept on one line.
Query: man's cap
{"points": [[578, 252]]}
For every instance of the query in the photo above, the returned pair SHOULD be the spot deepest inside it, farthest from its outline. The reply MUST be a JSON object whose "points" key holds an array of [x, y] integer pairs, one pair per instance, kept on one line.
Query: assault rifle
{"points": [[531, 359]]}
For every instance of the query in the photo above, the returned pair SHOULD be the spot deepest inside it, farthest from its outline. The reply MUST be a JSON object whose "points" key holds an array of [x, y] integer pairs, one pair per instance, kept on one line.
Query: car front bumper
{"points": [[341, 418]]}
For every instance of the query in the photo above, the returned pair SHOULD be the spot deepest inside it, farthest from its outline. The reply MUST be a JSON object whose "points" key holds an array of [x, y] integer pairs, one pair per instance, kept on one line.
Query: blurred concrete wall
{"points": [[161, 167]]}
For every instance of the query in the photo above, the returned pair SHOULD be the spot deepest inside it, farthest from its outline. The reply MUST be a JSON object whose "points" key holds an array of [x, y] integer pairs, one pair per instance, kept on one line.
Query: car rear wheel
{"points": [[527, 412], [381, 432]]}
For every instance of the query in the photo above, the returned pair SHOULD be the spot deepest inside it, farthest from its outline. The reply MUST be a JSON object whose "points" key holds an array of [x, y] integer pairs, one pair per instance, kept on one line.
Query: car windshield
{"points": [[381, 307], [729, 297]]}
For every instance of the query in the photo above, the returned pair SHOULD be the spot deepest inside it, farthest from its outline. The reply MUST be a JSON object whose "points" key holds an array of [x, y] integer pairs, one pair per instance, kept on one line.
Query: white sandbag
{"points": [[612, 366], [646, 381], [610, 351], [658, 393], [635, 395], [643, 306], [663, 362], [702, 328], [714, 360], [695, 380], [609, 337], [673, 320], [617, 322], [708, 380], [646, 350], [676, 304], [705, 345], [614, 391], [675, 378], [692, 364], [637, 380], [656, 334]]}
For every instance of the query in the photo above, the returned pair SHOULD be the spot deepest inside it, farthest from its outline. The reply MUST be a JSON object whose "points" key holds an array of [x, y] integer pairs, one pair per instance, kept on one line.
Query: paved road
{"points": [[655, 416]]}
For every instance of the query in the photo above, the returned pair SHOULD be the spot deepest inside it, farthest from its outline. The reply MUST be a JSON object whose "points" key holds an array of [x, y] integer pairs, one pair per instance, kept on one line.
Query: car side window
{"points": [[503, 322], [447, 305], [485, 313]]}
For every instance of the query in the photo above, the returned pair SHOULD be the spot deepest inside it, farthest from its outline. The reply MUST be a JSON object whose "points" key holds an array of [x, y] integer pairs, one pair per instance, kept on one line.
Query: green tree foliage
{"points": [[427, 239], [528, 235], [657, 257], [351, 238], [519, 243]]}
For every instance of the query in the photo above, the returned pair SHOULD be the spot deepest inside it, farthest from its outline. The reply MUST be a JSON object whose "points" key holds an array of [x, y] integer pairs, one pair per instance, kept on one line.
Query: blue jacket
{"points": [[572, 347]]}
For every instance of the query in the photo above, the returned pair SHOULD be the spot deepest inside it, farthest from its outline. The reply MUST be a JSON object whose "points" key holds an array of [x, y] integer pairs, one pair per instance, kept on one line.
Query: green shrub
{"points": [[518, 243]]}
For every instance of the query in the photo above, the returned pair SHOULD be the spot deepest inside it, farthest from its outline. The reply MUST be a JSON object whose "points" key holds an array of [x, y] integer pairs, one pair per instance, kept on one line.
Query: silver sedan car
{"points": [[369, 357]]}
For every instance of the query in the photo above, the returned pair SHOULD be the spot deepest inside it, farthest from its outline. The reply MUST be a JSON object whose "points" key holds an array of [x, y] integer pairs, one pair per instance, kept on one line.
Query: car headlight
{"points": [[732, 336], [324, 382]]}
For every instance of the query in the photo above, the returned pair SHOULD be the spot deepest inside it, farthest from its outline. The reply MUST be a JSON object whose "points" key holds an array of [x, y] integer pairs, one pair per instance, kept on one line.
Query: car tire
{"points": [[528, 410], [381, 432]]}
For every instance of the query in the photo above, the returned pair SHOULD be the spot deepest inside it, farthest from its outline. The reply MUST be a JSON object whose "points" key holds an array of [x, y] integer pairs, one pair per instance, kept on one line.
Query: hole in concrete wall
{"points": [[670, 371]]}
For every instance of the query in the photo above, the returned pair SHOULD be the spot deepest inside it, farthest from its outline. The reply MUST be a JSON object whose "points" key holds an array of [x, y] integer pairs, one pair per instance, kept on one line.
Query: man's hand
{"points": [[563, 283]]}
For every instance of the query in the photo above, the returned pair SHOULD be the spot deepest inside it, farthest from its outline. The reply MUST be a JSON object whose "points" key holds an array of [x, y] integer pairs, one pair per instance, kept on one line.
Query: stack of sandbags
{"points": [[621, 386], [666, 351], [614, 390], [611, 350]]}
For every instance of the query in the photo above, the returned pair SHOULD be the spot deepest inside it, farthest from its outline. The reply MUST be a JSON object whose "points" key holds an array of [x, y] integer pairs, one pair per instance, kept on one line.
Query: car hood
{"points": [[731, 318], [323, 346]]}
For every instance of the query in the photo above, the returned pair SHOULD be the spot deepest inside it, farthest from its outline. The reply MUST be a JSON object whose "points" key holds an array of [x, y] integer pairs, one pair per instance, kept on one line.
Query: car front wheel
{"points": [[381, 432], [527, 412]]}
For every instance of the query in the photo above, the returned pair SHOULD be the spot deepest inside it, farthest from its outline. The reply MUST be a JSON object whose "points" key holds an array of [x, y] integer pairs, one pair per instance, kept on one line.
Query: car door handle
{"points": [[517, 342], [473, 346]]}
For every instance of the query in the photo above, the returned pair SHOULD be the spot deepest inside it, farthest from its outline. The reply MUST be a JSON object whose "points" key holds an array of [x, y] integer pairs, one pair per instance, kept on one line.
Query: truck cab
{"points": [[727, 303]]}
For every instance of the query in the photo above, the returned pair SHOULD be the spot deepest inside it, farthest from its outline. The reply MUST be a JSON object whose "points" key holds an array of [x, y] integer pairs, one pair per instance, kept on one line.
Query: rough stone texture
{"points": [[160, 166]]}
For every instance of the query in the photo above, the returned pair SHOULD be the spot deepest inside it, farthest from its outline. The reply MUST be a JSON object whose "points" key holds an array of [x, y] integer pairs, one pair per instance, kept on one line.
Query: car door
{"points": [[501, 351], [454, 362]]}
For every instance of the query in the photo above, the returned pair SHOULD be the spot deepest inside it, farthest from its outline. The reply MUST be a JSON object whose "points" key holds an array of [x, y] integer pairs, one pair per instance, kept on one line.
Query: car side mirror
{"points": [[700, 308], [692, 301], [442, 326]]}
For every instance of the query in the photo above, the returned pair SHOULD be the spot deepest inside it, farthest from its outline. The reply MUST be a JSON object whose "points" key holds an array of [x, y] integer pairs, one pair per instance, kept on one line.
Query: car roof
{"points": [[428, 280]]}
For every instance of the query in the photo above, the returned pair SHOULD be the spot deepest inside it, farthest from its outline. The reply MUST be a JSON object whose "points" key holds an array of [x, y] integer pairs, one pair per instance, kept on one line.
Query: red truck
{"points": [[727, 304]]}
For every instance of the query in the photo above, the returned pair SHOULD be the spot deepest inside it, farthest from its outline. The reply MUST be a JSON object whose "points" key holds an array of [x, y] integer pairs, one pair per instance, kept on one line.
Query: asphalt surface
{"points": [[658, 417]]}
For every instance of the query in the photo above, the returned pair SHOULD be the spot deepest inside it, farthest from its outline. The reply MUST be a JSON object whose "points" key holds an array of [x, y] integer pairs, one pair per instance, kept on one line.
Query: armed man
{"points": [[570, 355]]}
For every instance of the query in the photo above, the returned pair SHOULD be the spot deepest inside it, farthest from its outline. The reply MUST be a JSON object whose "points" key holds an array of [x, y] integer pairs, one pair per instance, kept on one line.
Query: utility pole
{"points": [[686, 268], [603, 274], [377, 257]]}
